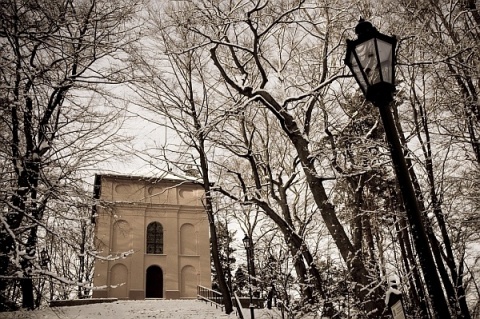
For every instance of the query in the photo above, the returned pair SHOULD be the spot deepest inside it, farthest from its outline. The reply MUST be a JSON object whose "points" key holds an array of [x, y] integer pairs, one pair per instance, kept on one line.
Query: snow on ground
{"points": [[127, 310], [143, 309]]}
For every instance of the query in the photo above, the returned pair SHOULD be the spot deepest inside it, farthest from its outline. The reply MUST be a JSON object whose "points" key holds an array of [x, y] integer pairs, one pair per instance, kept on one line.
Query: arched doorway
{"points": [[154, 282]]}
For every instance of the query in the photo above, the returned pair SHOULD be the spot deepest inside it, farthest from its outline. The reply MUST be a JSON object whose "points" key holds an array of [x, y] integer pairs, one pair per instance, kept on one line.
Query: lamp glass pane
{"points": [[368, 61], [385, 54], [357, 72]]}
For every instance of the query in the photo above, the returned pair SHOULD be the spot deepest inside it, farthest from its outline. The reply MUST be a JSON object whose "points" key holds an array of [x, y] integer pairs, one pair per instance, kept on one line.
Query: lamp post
{"points": [[248, 248], [371, 58]]}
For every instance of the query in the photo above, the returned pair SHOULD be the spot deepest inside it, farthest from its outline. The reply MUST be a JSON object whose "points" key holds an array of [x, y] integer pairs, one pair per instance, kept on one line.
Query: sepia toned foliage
{"points": [[261, 111]]}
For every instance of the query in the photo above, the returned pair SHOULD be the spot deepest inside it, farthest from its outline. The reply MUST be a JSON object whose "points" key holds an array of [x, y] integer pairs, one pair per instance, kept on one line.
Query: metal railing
{"points": [[238, 304], [210, 295]]}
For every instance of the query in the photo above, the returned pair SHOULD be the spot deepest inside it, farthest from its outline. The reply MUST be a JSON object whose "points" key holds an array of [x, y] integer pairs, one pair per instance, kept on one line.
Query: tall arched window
{"points": [[155, 238]]}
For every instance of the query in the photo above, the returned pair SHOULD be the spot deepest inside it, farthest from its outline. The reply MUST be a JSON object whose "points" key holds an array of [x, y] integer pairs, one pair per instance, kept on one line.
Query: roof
{"points": [[165, 176]]}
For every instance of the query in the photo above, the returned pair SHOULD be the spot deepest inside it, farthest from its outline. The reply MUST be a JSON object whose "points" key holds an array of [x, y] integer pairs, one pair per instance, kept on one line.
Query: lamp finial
{"points": [[364, 28]]}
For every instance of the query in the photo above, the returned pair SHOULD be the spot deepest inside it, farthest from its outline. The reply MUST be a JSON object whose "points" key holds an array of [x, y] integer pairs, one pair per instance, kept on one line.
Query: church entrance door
{"points": [[154, 284]]}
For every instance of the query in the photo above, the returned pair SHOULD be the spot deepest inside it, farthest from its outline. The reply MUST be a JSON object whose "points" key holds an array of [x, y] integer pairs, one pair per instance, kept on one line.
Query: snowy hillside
{"points": [[127, 310]]}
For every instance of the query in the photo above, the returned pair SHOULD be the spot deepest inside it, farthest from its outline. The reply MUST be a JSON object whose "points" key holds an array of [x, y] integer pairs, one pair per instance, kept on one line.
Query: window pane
{"points": [[358, 73], [155, 238], [368, 60], [150, 249], [385, 53]]}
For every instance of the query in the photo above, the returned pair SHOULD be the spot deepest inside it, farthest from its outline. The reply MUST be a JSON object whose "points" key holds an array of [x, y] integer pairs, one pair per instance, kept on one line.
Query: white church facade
{"points": [[152, 238]]}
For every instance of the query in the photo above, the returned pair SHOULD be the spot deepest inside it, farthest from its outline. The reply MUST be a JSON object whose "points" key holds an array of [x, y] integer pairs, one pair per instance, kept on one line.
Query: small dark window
{"points": [[155, 238]]}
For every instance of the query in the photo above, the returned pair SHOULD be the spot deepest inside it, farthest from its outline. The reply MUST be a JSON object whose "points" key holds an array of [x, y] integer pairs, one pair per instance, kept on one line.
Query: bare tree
{"points": [[249, 56], [54, 55], [441, 100], [176, 87], [278, 114]]}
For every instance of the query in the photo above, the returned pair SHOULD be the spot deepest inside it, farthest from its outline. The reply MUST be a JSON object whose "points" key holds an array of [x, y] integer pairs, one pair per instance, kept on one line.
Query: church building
{"points": [[152, 238]]}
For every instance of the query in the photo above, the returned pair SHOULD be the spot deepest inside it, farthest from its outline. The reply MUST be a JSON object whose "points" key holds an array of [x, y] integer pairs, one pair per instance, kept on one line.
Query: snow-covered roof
{"points": [[164, 176]]}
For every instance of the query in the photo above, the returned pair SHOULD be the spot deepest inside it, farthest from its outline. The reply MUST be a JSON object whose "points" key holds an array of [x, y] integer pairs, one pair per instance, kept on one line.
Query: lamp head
{"points": [[371, 59], [246, 242]]}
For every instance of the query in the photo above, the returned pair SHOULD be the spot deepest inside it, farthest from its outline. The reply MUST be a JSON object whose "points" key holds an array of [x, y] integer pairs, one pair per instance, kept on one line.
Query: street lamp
{"points": [[371, 58], [248, 248], [44, 259]]}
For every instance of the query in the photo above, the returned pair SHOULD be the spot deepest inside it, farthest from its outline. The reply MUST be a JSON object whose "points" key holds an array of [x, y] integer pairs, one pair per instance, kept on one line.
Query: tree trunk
{"points": [[367, 291], [434, 245], [298, 245], [227, 298], [416, 288], [81, 259], [453, 294], [301, 271]]}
